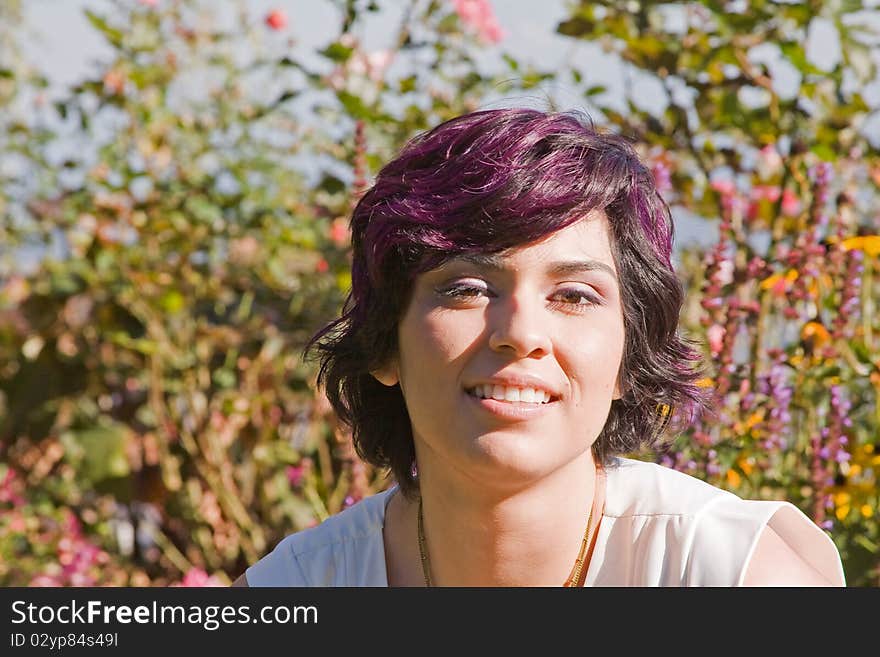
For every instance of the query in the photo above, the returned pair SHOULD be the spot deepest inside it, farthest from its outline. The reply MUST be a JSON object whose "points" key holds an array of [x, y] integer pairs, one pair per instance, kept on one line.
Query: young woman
{"points": [[510, 335]]}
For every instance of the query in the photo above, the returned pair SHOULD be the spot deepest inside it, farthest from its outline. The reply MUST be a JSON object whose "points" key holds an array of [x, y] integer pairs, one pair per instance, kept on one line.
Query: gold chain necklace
{"points": [[572, 580]]}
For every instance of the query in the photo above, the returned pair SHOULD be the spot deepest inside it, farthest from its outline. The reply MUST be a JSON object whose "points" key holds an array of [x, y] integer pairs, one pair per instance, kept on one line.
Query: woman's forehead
{"points": [[584, 246], [561, 267]]}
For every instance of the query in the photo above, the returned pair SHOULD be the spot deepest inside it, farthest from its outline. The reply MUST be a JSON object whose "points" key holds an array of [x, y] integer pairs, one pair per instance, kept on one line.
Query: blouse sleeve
{"points": [[727, 530], [278, 568]]}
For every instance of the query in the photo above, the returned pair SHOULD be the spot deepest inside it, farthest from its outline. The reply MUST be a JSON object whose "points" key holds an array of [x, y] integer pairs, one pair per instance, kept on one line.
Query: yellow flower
{"points": [[705, 382], [813, 287], [866, 510], [733, 478], [816, 331], [842, 512], [790, 277], [754, 418], [870, 244]]}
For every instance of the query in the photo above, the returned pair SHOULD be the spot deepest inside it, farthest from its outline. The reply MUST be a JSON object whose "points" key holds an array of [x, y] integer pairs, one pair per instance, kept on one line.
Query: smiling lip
{"points": [[518, 381], [512, 411]]}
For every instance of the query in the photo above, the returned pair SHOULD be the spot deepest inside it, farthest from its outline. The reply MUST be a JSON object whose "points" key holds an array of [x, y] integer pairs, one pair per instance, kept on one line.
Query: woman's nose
{"points": [[518, 325]]}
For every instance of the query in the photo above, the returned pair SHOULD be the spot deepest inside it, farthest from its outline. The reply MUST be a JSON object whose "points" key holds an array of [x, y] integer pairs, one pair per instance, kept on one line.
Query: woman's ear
{"points": [[387, 375]]}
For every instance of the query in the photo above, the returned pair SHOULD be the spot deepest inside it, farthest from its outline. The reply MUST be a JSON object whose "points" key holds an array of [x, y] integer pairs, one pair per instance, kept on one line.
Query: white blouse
{"points": [[660, 527]]}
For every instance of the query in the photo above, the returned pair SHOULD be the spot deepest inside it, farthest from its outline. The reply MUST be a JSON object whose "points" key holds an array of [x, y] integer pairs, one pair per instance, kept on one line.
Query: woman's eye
{"points": [[573, 297], [569, 299], [462, 291]]}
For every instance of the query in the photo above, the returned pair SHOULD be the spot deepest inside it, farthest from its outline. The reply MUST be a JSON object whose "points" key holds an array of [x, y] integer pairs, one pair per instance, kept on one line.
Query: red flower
{"points": [[276, 19], [322, 266], [339, 232]]}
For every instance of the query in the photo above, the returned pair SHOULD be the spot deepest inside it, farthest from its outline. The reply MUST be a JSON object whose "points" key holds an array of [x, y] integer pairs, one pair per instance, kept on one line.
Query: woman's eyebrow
{"points": [[558, 268]]}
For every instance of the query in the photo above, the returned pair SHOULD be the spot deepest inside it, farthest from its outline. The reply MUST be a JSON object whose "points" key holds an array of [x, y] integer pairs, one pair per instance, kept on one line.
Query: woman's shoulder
{"points": [[642, 488], [709, 536], [346, 549]]}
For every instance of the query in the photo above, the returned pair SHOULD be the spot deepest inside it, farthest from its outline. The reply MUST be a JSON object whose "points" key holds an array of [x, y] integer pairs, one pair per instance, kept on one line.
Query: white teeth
{"points": [[511, 394]]}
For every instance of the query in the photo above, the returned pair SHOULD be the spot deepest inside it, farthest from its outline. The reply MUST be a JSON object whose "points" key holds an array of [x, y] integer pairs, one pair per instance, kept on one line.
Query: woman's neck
{"points": [[481, 536]]}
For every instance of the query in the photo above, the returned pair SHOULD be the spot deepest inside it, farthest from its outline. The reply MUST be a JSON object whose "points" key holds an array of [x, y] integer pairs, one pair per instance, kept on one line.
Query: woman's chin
{"points": [[507, 460]]}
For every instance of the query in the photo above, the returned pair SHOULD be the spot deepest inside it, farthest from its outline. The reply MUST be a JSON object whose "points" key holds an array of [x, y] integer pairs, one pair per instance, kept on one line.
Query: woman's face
{"points": [[541, 321]]}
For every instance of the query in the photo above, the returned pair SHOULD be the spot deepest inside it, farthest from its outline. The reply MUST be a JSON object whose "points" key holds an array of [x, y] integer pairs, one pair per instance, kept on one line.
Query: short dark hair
{"points": [[486, 182]]}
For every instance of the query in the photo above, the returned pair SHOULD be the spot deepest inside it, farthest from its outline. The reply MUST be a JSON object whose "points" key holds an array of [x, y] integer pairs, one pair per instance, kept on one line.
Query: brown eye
{"points": [[573, 297], [462, 291]]}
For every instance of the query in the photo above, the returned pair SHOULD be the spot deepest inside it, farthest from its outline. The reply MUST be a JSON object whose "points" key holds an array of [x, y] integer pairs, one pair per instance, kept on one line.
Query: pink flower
{"points": [[17, 523], [11, 488], [768, 192], [479, 15], [790, 203], [780, 288], [114, 82], [296, 474], [276, 19], [769, 160], [662, 176], [149, 3], [715, 333], [724, 187], [196, 577], [724, 274]]}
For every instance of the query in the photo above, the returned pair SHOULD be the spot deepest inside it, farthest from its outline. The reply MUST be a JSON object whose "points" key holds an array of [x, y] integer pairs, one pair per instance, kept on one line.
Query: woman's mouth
{"points": [[511, 404], [510, 394]]}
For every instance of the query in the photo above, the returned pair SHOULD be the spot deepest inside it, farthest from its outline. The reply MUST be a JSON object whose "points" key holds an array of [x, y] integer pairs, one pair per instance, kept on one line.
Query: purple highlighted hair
{"points": [[486, 182]]}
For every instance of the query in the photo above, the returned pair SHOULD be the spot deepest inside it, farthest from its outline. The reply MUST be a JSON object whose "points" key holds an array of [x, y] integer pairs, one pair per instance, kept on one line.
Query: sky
{"points": [[64, 44]]}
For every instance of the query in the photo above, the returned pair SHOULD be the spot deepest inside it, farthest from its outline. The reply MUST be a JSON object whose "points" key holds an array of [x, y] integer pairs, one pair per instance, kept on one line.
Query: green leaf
{"points": [[331, 184], [100, 452], [824, 152], [141, 345], [172, 302], [112, 35], [337, 52], [407, 84], [595, 90], [224, 378], [357, 109], [577, 26], [795, 53]]}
